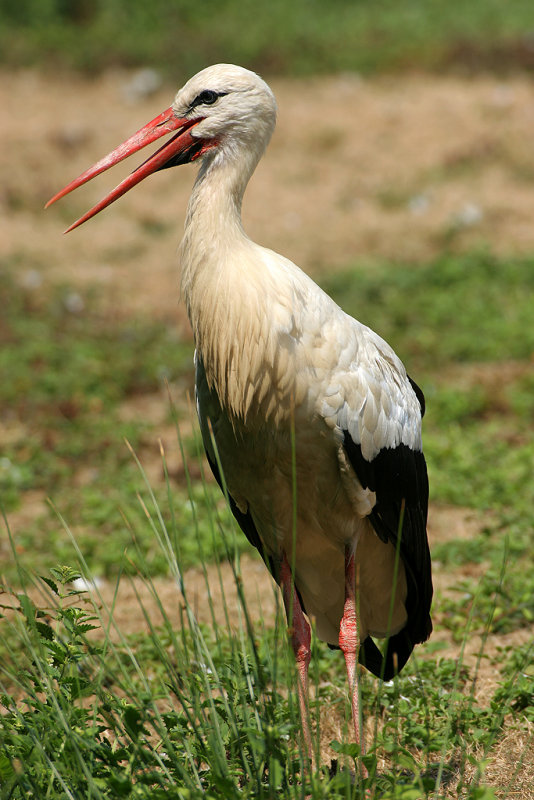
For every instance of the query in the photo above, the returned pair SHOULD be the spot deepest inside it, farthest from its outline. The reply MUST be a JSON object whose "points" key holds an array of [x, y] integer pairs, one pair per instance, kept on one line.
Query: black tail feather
{"points": [[389, 663]]}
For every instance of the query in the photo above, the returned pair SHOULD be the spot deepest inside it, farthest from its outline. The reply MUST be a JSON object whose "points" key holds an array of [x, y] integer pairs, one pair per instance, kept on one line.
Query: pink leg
{"points": [[300, 635], [349, 639]]}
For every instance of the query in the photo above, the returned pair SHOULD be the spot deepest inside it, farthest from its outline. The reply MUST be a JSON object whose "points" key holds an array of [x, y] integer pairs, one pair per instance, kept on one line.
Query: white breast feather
{"points": [[297, 348]]}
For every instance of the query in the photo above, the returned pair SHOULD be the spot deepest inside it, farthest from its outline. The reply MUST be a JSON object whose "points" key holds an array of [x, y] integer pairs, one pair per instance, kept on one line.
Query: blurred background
{"points": [[401, 176], [305, 37]]}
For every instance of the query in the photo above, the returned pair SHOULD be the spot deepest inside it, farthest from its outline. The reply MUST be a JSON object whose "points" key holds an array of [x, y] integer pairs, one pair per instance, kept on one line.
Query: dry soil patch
{"points": [[358, 169]]}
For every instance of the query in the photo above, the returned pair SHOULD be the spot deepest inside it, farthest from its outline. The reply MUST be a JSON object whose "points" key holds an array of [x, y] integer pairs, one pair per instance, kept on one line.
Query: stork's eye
{"points": [[206, 98]]}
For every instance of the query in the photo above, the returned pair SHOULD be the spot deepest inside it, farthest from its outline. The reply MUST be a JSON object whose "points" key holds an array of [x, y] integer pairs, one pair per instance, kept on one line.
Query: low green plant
{"points": [[82, 717], [194, 711]]}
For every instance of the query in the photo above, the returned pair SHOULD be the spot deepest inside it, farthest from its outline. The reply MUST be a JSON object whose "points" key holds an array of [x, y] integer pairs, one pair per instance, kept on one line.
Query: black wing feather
{"points": [[420, 396], [399, 478]]}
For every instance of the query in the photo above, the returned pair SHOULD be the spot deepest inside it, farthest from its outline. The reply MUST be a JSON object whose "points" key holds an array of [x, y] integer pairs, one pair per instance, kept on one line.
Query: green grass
{"points": [[67, 373], [456, 309], [202, 711], [304, 37]]}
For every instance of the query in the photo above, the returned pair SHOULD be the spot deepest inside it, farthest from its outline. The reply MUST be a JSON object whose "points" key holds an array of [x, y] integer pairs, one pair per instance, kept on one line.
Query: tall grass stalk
{"points": [[190, 710]]}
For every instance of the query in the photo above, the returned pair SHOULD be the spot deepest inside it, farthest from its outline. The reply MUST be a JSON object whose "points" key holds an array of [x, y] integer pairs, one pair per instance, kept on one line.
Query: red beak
{"points": [[180, 149]]}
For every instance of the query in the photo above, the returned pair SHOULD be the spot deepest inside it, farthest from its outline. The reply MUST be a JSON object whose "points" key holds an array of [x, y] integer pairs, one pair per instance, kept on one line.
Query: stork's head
{"points": [[222, 111], [231, 105]]}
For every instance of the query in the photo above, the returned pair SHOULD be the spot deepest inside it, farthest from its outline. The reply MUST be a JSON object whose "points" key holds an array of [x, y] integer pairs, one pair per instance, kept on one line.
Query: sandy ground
{"points": [[357, 170]]}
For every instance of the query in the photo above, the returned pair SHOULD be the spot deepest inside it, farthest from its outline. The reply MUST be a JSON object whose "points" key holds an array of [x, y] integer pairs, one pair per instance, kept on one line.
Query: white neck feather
{"points": [[224, 281]]}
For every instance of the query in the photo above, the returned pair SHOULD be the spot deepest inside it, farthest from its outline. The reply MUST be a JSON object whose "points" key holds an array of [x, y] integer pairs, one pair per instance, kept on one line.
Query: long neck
{"points": [[222, 275], [213, 223]]}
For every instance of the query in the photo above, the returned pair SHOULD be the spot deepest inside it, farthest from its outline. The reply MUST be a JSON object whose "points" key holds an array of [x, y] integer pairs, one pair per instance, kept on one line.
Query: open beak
{"points": [[180, 149]]}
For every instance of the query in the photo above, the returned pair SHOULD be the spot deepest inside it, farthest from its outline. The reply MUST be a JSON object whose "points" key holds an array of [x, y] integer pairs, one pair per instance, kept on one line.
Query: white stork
{"points": [[298, 399]]}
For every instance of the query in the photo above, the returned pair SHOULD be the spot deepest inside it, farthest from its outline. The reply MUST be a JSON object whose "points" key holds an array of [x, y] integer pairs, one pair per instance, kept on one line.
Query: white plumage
{"points": [[275, 355]]}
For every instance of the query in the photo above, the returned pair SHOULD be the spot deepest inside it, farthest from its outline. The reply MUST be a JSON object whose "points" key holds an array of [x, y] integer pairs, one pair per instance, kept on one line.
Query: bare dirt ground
{"points": [[357, 170]]}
